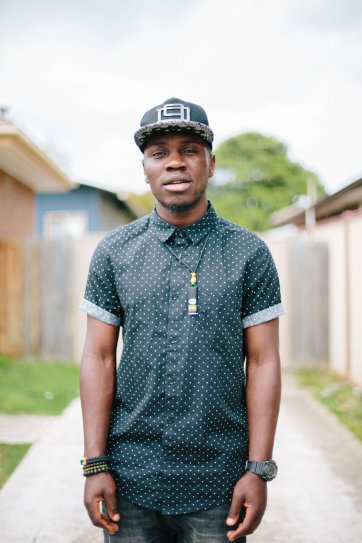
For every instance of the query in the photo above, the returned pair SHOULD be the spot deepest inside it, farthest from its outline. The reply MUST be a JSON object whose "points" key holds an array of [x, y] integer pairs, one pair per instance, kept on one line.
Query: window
{"points": [[60, 224]]}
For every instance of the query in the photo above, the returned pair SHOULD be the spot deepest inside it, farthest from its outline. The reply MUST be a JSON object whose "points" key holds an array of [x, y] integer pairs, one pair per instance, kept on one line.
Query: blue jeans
{"points": [[140, 525]]}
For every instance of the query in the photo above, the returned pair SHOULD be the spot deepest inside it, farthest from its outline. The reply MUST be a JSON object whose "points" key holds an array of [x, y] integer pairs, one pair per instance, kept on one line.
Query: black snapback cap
{"points": [[174, 115]]}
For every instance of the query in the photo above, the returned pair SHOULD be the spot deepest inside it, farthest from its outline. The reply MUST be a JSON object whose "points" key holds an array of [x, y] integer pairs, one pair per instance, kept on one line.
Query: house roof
{"points": [[23, 160], [348, 198]]}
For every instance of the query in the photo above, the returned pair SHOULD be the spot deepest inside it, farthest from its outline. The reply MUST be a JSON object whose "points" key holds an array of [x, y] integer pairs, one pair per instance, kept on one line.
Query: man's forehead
{"points": [[182, 139]]}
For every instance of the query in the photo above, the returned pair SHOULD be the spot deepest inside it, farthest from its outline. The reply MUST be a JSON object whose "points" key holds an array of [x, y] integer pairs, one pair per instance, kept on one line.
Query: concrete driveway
{"points": [[316, 498]]}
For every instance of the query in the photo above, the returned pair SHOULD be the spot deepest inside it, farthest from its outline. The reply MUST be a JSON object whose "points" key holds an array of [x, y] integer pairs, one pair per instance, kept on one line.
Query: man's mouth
{"points": [[177, 185], [177, 181]]}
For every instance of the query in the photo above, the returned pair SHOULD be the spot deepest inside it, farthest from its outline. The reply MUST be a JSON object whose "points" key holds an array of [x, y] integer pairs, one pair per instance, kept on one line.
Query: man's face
{"points": [[177, 167]]}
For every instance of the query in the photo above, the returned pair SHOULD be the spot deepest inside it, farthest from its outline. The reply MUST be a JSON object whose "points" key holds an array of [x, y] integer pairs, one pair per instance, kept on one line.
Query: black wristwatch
{"points": [[267, 470]]}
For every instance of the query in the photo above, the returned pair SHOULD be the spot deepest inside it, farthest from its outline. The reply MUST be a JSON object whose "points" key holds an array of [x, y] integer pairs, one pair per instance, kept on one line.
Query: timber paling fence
{"points": [[42, 282], [308, 262], [35, 299]]}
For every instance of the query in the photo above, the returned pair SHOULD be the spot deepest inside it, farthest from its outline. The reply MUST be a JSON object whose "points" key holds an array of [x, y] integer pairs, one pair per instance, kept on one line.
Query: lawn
{"points": [[42, 388], [36, 387], [10, 457], [342, 399]]}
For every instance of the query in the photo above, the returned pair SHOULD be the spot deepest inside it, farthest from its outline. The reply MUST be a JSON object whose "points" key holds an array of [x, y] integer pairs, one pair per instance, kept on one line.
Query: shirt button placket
{"points": [[174, 361], [173, 355]]}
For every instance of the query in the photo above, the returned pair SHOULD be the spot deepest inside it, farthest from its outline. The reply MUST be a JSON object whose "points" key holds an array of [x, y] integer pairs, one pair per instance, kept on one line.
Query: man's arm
{"points": [[97, 385], [263, 387]]}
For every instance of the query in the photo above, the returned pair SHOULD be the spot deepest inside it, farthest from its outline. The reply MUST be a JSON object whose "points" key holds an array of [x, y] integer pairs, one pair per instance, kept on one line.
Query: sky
{"points": [[78, 75]]}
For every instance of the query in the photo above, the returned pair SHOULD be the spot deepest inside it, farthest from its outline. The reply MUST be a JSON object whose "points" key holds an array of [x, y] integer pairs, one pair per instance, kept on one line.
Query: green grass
{"points": [[34, 387], [342, 399], [10, 457]]}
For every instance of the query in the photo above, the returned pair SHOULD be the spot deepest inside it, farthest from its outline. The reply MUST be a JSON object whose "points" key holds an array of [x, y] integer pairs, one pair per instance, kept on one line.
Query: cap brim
{"points": [[146, 132]]}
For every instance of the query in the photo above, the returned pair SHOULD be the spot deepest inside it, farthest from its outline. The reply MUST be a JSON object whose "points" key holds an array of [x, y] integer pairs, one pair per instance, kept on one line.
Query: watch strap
{"points": [[255, 467], [266, 470]]}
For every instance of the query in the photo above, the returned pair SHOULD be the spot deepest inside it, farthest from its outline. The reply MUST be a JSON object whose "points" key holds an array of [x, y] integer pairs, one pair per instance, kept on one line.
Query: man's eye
{"points": [[189, 151], [158, 154]]}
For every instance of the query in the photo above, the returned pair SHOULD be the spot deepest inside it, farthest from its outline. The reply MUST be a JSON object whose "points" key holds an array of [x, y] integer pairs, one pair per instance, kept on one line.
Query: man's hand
{"points": [[250, 493], [98, 488]]}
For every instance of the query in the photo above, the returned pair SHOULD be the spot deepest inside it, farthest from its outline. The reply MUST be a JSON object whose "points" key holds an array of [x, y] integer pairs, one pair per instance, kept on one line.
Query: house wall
{"points": [[104, 212], [17, 208], [80, 199]]}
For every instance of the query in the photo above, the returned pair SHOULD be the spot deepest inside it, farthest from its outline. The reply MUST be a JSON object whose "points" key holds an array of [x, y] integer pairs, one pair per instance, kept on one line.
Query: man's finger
{"points": [[232, 518], [112, 506], [100, 520], [244, 528], [248, 526], [235, 508], [108, 525]]}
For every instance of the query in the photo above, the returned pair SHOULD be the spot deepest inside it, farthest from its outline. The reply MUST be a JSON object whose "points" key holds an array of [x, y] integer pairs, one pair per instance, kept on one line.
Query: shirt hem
{"points": [[99, 313], [265, 315], [175, 510]]}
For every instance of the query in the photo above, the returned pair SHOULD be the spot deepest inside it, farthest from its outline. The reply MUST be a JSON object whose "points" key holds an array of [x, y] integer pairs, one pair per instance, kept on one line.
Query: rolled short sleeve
{"points": [[262, 301], [101, 299]]}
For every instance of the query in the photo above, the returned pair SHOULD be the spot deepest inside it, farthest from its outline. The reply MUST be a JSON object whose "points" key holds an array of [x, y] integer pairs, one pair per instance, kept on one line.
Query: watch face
{"points": [[270, 470]]}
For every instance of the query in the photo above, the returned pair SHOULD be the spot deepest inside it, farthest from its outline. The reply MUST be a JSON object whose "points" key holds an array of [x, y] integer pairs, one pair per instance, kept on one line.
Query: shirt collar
{"points": [[196, 231]]}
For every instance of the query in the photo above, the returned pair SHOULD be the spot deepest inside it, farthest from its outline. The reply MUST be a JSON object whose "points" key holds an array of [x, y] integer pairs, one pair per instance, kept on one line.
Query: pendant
{"points": [[192, 298]]}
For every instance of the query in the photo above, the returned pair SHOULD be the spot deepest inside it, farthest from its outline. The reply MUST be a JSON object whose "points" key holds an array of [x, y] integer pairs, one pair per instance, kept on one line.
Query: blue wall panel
{"points": [[86, 199]]}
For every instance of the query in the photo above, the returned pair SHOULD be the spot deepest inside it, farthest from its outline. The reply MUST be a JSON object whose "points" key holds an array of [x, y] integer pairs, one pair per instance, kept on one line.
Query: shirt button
{"points": [[173, 341], [174, 296], [170, 419]]}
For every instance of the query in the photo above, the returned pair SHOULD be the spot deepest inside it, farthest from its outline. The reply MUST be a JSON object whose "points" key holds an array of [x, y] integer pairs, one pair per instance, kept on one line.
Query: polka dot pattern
{"points": [[178, 437]]}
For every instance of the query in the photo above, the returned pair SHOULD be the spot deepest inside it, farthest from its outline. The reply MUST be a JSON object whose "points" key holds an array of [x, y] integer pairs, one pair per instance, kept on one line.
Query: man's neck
{"points": [[182, 219]]}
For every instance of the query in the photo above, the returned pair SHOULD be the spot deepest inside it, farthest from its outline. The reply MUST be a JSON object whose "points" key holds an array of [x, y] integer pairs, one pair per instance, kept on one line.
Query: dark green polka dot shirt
{"points": [[178, 438]]}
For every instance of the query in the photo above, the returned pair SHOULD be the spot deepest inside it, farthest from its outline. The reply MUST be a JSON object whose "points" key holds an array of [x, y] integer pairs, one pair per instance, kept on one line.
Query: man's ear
{"points": [[212, 165], [143, 165]]}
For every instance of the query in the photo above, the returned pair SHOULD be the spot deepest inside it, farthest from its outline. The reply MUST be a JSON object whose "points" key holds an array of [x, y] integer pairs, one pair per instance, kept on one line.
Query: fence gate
{"points": [[309, 293]]}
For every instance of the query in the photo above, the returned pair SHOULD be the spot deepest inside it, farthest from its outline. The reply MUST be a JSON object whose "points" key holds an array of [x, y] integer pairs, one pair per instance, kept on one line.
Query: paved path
{"points": [[317, 497], [23, 428]]}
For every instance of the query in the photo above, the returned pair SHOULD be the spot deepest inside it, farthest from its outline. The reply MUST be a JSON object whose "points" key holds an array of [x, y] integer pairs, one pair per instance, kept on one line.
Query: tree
{"points": [[255, 177]]}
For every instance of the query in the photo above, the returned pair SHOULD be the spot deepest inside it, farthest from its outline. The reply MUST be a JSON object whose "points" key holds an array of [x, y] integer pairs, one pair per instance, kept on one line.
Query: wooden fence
{"points": [[35, 286], [42, 283], [11, 298], [309, 308]]}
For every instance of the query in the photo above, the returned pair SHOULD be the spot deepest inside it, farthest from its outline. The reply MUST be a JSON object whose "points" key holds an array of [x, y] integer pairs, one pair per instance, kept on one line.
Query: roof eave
{"points": [[23, 160]]}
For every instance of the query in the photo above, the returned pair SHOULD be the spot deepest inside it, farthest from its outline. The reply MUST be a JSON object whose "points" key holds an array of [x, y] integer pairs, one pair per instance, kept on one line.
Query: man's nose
{"points": [[175, 161]]}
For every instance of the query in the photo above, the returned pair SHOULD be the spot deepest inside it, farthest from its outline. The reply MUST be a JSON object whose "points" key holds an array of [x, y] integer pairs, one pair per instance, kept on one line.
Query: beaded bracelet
{"points": [[85, 461], [94, 465], [100, 468]]}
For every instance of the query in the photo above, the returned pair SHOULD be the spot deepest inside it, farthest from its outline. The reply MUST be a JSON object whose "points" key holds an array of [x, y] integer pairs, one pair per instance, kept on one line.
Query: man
{"points": [[168, 434]]}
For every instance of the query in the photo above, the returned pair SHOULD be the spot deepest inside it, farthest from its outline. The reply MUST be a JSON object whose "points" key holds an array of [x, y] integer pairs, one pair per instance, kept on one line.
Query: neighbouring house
{"points": [[25, 170], [81, 211], [349, 198]]}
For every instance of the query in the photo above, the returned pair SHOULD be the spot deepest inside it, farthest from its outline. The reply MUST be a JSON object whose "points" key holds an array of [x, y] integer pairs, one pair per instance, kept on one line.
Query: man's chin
{"points": [[180, 206]]}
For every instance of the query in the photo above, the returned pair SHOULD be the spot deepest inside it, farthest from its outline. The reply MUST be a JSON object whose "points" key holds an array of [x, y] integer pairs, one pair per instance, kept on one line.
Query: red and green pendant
{"points": [[192, 301]]}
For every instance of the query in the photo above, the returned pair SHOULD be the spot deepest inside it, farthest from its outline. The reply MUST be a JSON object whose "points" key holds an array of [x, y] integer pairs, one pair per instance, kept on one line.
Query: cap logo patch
{"points": [[178, 112]]}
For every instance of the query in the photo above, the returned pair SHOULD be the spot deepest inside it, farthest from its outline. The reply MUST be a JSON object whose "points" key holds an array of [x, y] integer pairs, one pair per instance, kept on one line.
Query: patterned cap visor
{"points": [[145, 132], [174, 115]]}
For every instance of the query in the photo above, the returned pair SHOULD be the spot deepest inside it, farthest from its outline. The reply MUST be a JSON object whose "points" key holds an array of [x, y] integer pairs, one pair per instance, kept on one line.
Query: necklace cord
{"points": [[200, 257]]}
